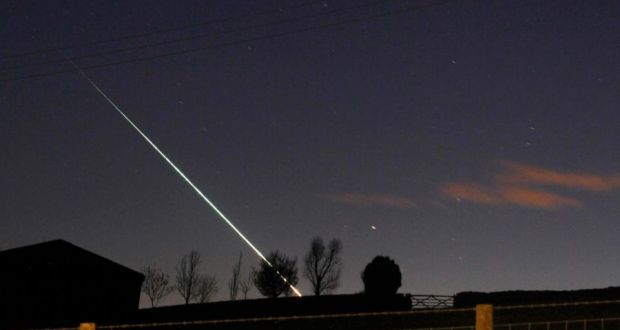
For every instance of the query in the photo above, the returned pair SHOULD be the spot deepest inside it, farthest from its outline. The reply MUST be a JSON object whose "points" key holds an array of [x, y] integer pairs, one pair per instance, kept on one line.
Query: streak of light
{"points": [[183, 176]]}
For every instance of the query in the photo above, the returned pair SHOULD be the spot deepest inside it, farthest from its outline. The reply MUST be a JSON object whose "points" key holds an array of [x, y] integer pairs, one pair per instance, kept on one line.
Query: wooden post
{"points": [[484, 317], [87, 326]]}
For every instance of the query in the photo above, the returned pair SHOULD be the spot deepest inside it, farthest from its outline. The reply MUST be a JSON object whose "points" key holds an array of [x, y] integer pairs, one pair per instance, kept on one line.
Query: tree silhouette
{"points": [[381, 277], [245, 285], [187, 276], [235, 279], [206, 288], [322, 268], [269, 280], [156, 284]]}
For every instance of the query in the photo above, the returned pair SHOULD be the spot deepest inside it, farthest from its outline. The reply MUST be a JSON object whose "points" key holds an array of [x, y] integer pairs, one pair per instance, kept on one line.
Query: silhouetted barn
{"points": [[57, 283]]}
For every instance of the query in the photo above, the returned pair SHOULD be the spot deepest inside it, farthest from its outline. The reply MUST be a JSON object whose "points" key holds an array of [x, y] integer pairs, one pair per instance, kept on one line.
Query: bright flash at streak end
{"points": [[178, 170]]}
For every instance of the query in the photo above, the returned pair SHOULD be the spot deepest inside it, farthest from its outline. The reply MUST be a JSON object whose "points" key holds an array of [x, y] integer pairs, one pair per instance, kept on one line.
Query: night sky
{"points": [[475, 142]]}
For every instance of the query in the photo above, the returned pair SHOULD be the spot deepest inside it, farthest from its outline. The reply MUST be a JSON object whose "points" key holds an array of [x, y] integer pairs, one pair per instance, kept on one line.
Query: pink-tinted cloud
{"points": [[518, 173], [537, 198], [519, 184], [508, 195], [372, 199], [471, 192]]}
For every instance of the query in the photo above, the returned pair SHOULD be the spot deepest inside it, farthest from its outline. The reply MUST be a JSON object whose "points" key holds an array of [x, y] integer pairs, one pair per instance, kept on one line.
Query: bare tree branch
{"points": [[322, 268], [245, 286], [233, 283], [156, 284], [187, 276], [207, 287]]}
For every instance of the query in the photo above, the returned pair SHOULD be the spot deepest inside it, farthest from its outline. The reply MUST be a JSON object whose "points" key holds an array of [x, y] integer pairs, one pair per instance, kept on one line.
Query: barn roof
{"points": [[59, 257]]}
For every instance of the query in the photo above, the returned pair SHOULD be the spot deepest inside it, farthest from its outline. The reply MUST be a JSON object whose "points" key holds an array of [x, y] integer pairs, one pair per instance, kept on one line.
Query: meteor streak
{"points": [[182, 175]]}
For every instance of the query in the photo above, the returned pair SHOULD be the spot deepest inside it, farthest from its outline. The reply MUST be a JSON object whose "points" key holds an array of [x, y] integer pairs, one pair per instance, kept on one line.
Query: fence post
{"points": [[88, 326], [484, 317]]}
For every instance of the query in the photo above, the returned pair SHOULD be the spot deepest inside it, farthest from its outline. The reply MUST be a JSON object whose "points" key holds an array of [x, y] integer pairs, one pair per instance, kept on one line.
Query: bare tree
{"points": [[207, 287], [156, 284], [270, 279], [233, 283], [322, 268], [245, 286], [187, 276]]}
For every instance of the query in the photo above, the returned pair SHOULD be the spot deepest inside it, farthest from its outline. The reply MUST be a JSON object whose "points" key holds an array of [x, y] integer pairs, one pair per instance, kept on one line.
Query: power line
{"points": [[156, 32], [233, 43], [220, 45], [199, 36]]}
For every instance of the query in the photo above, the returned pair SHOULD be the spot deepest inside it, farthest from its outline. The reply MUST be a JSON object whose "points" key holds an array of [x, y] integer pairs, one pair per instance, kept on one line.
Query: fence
{"points": [[590, 324], [419, 301], [571, 317], [601, 315]]}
